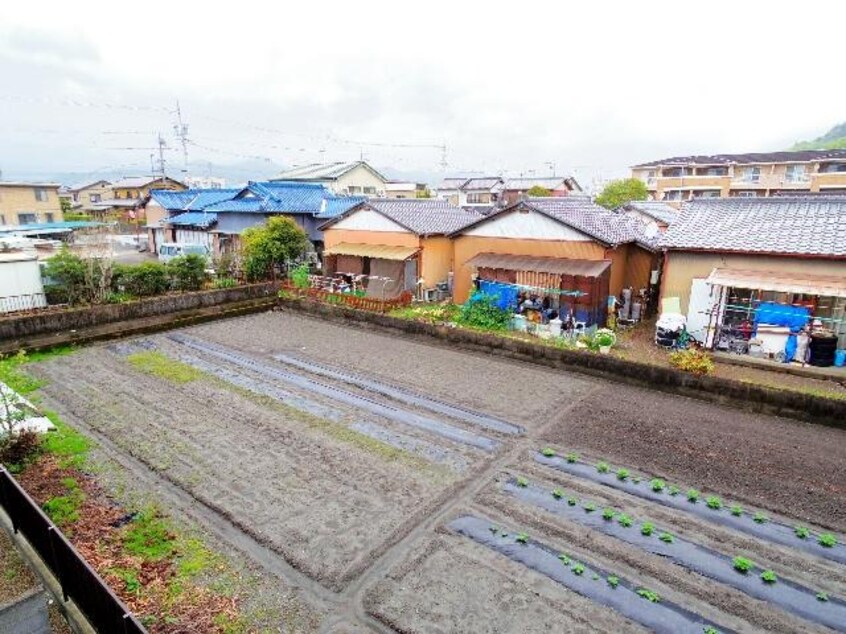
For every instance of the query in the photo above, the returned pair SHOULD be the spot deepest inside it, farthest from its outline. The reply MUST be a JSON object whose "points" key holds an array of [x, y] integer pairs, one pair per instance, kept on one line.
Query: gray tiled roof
{"points": [[794, 226], [660, 211], [321, 171], [484, 183], [751, 158], [423, 216], [547, 182]]}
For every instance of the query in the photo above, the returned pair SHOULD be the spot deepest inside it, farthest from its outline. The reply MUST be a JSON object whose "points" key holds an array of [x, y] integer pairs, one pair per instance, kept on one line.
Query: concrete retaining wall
{"points": [[747, 396], [24, 326], [26, 615]]}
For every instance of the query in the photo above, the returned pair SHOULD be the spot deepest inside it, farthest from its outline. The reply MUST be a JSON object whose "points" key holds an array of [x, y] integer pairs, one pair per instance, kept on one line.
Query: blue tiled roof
{"points": [[278, 197], [194, 219], [243, 205], [191, 199], [336, 205]]}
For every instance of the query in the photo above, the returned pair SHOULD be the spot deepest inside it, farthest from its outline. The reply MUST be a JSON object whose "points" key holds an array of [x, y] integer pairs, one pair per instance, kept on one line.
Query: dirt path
{"points": [[285, 472]]}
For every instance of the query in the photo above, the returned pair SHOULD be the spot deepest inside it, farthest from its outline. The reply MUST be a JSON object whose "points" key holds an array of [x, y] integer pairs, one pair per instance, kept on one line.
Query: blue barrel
{"points": [[840, 358]]}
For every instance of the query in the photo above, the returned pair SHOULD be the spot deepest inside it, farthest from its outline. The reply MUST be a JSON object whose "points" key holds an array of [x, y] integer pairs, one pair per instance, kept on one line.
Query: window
{"points": [[369, 190], [354, 189], [833, 168], [751, 174], [711, 193], [795, 173], [94, 198], [716, 171], [747, 194], [41, 195], [2, 219], [674, 194], [27, 219], [49, 217]]}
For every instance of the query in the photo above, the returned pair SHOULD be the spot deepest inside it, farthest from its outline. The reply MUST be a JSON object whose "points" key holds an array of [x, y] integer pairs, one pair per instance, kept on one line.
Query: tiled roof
{"points": [[322, 171], [336, 205], [423, 216], [790, 226], [194, 219], [755, 157], [85, 185], [273, 196], [660, 211], [191, 199], [453, 182], [547, 182], [484, 183]]}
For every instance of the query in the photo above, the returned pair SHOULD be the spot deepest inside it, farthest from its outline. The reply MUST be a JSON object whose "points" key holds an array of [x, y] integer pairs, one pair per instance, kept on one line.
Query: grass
{"points": [[742, 564], [159, 365], [603, 467], [129, 577], [148, 536], [768, 576], [649, 595], [657, 485], [622, 474], [64, 509], [801, 532], [647, 528], [713, 502], [827, 540], [667, 538]]}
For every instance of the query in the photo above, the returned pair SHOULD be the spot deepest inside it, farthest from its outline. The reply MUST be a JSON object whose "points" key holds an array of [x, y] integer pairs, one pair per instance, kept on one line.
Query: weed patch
{"points": [[149, 537], [157, 364]]}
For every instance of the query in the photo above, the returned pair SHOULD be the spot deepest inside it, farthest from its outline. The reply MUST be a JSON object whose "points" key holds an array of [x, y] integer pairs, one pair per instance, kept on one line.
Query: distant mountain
{"points": [[834, 139]]}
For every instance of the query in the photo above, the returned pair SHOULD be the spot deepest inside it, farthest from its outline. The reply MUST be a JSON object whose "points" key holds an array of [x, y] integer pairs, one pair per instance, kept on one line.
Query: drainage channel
{"points": [[788, 595], [393, 413], [663, 616], [405, 395], [769, 531]]}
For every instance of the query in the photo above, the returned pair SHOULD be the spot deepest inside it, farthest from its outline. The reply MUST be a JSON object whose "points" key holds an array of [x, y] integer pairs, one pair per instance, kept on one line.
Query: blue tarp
{"points": [[506, 294], [794, 317]]}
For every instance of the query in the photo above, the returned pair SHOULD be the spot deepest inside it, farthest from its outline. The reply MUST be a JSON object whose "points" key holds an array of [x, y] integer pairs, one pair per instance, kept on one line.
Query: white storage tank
{"points": [[20, 282]]}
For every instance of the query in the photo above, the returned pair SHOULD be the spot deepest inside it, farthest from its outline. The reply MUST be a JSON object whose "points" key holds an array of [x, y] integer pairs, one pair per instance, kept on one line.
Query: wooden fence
{"points": [[349, 299]]}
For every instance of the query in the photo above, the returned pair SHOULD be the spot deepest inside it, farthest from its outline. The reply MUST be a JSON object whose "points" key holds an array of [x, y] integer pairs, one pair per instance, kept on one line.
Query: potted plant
{"points": [[604, 339]]}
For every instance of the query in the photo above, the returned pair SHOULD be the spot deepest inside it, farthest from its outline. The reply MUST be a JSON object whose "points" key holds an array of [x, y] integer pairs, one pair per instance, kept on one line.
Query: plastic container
{"points": [[840, 358], [555, 327]]}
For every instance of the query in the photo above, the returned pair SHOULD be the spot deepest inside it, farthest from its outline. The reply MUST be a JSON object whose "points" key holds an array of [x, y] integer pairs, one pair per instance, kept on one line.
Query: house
{"points": [[682, 178], [404, 241], [723, 257], [400, 189], [138, 187], [355, 178], [181, 216], [204, 182], [655, 215], [481, 194], [27, 203], [567, 243], [88, 196], [517, 188]]}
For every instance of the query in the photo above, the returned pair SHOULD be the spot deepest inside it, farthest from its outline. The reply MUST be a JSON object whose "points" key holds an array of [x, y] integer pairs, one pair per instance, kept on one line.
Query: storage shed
{"points": [[21, 287]]}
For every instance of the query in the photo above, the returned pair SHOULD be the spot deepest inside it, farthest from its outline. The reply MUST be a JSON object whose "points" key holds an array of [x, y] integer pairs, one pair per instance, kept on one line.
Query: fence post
{"points": [[4, 482], [59, 570]]}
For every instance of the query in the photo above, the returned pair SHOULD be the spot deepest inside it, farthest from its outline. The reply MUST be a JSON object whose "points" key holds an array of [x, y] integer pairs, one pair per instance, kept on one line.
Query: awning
{"points": [[808, 284], [560, 266], [382, 251]]}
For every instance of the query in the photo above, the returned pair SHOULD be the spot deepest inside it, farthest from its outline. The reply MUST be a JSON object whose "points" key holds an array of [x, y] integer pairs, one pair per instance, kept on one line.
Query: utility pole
{"points": [[180, 129], [162, 148], [444, 164]]}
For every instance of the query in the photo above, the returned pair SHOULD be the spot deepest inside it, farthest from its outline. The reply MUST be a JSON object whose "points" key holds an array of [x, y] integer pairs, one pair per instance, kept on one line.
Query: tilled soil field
{"points": [[400, 486]]}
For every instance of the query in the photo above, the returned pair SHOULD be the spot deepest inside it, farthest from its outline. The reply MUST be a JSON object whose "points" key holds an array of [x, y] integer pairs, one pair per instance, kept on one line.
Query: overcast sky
{"points": [[586, 87]]}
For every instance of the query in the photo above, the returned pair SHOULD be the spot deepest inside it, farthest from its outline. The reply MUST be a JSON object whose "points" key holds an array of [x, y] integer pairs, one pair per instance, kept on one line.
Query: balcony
{"points": [[829, 180], [694, 182]]}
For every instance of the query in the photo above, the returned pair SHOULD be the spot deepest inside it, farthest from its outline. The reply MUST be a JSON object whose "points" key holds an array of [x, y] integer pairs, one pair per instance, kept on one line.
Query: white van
{"points": [[170, 250]]}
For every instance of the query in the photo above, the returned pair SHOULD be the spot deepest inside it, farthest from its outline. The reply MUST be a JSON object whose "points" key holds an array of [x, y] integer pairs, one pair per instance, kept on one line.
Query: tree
{"points": [[622, 191], [188, 272], [537, 191], [423, 193], [269, 247], [65, 205]]}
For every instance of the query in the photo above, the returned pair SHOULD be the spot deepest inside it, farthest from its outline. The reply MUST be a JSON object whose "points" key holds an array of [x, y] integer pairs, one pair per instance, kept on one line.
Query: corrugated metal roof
{"points": [[323, 171], [382, 251], [563, 266], [202, 219], [825, 285], [791, 226]]}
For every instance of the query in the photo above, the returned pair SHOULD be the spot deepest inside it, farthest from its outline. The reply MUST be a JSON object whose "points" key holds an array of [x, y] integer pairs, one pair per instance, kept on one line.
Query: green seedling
{"points": [[603, 467], [647, 529], [522, 538], [768, 576], [613, 581], [572, 457], [557, 494], [710, 630], [827, 540], [578, 569], [713, 502], [522, 482], [595, 577], [622, 474], [692, 495], [564, 559], [549, 452], [636, 480], [822, 596], [572, 501], [667, 538], [649, 595], [742, 564], [590, 507], [658, 485], [608, 514], [801, 532], [674, 490], [625, 521], [760, 518], [736, 510]]}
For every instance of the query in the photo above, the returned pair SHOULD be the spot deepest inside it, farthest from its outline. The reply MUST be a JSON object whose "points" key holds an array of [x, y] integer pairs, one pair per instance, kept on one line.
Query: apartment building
{"points": [[26, 203], [677, 179]]}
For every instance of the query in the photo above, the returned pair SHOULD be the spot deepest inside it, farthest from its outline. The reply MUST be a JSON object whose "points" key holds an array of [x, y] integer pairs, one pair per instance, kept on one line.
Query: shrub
{"points": [[481, 311], [657, 485], [768, 576], [188, 272], [622, 474], [827, 540], [692, 360], [225, 282], [742, 564], [713, 502], [19, 448], [602, 467], [299, 276], [603, 338], [141, 280]]}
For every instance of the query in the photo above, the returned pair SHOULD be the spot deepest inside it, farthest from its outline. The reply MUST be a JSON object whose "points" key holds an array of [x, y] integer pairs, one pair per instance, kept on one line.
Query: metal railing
{"points": [[17, 303], [79, 581]]}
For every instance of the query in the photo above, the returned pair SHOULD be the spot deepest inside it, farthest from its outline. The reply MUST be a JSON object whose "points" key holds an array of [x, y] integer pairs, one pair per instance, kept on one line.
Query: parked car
{"points": [[170, 250]]}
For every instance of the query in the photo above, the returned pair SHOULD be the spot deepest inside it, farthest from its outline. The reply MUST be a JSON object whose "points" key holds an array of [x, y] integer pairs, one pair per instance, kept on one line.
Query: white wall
{"points": [[368, 220], [20, 283], [528, 226]]}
